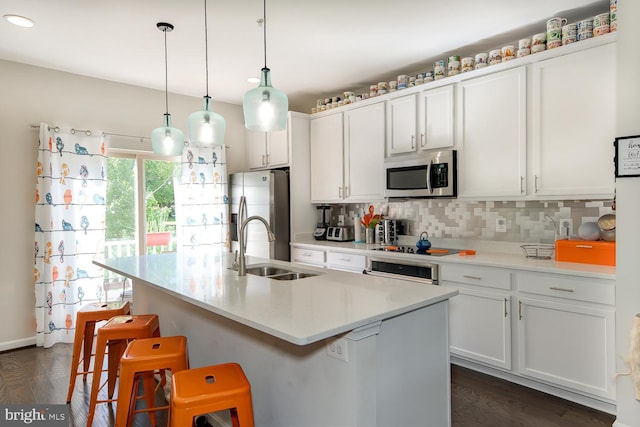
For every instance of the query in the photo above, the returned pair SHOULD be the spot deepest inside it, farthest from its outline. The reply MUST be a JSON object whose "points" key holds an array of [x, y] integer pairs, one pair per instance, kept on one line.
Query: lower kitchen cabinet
{"points": [[480, 327], [480, 315], [567, 345], [566, 331], [313, 257], [346, 261]]}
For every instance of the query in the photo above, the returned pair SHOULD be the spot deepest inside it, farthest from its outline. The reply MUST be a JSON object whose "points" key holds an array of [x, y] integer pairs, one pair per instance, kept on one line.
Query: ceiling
{"points": [[314, 48]]}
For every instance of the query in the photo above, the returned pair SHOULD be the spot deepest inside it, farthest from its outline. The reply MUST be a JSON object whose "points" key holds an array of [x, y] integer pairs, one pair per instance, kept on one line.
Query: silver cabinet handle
{"points": [[340, 192], [505, 307], [584, 246], [345, 259], [267, 159], [520, 310], [263, 160], [522, 185], [553, 288], [422, 140], [347, 193], [413, 141], [535, 183], [473, 277], [306, 254]]}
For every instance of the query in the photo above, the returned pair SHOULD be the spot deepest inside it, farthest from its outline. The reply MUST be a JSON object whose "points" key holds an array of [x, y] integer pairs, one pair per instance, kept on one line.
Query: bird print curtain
{"points": [[69, 228], [202, 200]]}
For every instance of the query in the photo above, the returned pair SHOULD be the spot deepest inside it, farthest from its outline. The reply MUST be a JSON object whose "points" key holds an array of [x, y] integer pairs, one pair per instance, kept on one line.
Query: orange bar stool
{"points": [[86, 319], [211, 389], [114, 336], [143, 358]]}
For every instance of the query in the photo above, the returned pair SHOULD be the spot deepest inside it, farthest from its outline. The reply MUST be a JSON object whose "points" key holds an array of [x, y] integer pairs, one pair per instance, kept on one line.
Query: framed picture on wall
{"points": [[627, 157]]}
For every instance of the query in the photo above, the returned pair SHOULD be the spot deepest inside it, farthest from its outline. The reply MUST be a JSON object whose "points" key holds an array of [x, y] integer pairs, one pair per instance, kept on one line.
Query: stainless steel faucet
{"points": [[242, 261]]}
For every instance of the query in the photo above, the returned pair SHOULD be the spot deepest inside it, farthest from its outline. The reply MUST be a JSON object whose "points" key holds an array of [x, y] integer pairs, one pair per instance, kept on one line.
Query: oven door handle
{"points": [[399, 277]]}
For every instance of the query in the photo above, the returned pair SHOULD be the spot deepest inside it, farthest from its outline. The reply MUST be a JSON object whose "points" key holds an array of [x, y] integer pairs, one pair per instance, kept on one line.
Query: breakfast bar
{"points": [[322, 348]]}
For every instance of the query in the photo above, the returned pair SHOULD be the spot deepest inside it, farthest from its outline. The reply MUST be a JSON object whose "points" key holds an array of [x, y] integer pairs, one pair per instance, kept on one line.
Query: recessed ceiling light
{"points": [[20, 21], [253, 80]]}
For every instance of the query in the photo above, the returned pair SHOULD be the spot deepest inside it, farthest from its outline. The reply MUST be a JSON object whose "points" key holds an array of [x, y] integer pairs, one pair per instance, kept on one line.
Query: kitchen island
{"points": [[334, 349]]}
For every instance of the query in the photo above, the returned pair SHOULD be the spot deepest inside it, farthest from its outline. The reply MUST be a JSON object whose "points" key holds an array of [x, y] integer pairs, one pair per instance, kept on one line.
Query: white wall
{"points": [[628, 208], [31, 95]]}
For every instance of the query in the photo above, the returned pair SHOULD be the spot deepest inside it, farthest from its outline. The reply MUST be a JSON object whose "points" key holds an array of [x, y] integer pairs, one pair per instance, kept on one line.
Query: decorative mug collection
{"points": [[559, 33]]}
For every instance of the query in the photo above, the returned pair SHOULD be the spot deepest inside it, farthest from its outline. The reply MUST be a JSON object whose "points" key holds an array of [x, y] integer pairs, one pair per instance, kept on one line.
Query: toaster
{"points": [[340, 234]]}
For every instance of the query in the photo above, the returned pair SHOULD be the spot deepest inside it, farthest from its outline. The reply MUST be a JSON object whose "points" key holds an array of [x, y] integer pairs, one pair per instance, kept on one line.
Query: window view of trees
{"points": [[159, 200]]}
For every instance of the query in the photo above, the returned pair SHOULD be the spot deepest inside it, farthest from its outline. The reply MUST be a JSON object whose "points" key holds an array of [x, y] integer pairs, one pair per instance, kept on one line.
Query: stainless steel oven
{"points": [[407, 269]]}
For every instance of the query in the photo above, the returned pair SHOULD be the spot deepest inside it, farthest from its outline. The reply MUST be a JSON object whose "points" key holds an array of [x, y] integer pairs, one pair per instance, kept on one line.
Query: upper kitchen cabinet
{"points": [[573, 118], [436, 118], [491, 135], [364, 153], [347, 155], [267, 150], [327, 158], [421, 121], [401, 132]]}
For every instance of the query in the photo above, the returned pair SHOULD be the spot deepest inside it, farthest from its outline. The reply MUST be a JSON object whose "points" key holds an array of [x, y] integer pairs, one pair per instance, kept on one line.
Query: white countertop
{"points": [[493, 254], [299, 311]]}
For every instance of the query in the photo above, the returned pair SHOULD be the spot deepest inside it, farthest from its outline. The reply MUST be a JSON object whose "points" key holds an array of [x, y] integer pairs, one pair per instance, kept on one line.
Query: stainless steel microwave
{"points": [[424, 174]]}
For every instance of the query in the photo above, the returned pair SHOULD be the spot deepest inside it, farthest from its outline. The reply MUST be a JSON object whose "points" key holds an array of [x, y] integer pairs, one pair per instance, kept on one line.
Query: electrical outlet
{"points": [[501, 225], [566, 227], [338, 349]]}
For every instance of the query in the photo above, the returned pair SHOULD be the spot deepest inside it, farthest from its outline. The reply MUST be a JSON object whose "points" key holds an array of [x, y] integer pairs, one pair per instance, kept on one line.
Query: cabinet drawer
{"points": [[474, 275], [603, 253], [309, 256], [346, 261], [576, 288]]}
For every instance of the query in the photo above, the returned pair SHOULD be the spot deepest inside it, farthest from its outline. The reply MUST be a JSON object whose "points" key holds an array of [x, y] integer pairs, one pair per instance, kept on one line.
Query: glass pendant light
{"points": [[265, 107], [167, 140], [206, 128]]}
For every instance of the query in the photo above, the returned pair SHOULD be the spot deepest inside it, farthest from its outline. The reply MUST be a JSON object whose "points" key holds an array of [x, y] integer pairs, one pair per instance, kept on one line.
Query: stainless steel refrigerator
{"points": [[267, 195]]}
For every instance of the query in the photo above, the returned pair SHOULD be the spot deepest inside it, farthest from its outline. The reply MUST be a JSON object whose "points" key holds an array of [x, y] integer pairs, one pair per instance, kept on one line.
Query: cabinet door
{"points": [[327, 158], [480, 327], [364, 148], [436, 114], [568, 345], [401, 113], [278, 148], [256, 149], [574, 121], [492, 135]]}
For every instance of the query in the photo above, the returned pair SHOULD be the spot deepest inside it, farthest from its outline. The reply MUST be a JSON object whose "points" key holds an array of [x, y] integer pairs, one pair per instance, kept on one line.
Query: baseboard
{"points": [[13, 345], [616, 423]]}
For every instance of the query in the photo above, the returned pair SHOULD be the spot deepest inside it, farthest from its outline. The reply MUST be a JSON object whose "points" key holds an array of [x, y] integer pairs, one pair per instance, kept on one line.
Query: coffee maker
{"points": [[323, 217]]}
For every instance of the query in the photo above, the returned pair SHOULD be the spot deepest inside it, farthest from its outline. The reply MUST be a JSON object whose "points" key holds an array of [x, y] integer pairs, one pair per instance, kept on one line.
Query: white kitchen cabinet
{"points": [[563, 339], [436, 118], [327, 158], [574, 124], [315, 257], [480, 315], [364, 153], [347, 155], [491, 136], [346, 261], [421, 121], [401, 129], [266, 150]]}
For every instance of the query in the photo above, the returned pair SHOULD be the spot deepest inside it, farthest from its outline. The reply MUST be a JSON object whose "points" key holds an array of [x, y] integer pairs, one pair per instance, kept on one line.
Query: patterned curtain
{"points": [[202, 201], [69, 228]]}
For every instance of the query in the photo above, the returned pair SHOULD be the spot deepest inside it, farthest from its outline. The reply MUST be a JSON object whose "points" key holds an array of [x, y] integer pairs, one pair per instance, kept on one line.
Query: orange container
{"points": [[586, 252]]}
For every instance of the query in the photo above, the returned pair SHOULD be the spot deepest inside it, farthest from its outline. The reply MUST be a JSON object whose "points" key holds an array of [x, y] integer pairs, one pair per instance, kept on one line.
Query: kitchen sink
{"points": [[278, 273], [266, 270], [292, 276]]}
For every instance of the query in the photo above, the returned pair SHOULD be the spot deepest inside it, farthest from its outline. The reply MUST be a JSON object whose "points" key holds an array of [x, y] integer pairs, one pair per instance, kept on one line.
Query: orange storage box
{"points": [[586, 252]]}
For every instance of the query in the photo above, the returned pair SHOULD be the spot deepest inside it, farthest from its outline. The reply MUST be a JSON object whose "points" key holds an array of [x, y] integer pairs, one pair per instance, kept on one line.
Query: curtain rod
{"points": [[88, 132]]}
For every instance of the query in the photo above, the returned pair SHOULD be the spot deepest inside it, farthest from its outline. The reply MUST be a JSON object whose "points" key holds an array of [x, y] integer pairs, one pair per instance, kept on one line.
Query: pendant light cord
{"points": [[166, 73], [264, 28], [206, 47]]}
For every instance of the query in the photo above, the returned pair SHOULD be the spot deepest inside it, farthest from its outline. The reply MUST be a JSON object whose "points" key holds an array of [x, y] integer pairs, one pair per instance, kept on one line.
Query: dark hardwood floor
{"points": [[41, 376]]}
